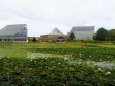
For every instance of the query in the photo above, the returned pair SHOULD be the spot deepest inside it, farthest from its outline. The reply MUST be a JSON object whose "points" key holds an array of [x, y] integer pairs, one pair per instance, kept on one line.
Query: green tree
{"points": [[112, 34], [34, 39], [102, 34], [72, 37]]}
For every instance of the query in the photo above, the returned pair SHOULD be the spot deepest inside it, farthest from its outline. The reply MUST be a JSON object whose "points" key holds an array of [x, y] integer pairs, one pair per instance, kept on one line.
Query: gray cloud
{"points": [[44, 15]]}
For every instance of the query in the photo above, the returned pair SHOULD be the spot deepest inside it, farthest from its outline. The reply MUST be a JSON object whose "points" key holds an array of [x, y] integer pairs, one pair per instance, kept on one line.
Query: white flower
{"points": [[99, 69], [59, 63], [108, 73]]}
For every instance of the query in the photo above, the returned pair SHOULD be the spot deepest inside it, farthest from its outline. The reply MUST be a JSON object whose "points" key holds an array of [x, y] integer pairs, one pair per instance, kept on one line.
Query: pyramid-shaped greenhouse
{"points": [[56, 31]]}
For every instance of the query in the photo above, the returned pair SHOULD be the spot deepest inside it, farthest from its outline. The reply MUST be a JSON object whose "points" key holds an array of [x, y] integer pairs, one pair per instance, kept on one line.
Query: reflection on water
{"points": [[92, 63], [42, 55], [103, 64]]}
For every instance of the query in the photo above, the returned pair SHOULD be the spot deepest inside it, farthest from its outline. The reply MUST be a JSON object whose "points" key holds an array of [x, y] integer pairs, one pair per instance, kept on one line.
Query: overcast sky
{"points": [[42, 16]]}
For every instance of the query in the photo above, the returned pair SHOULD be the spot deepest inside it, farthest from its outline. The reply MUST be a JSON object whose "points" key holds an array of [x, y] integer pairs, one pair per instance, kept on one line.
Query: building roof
{"points": [[82, 28], [56, 31], [11, 29]]}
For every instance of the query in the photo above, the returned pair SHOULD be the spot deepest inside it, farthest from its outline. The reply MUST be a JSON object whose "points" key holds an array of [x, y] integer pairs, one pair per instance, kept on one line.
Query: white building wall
{"points": [[84, 35]]}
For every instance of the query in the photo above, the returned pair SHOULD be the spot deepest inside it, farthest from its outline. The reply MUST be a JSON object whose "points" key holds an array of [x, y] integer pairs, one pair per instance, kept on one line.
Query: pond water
{"points": [[103, 64], [91, 63], [42, 55]]}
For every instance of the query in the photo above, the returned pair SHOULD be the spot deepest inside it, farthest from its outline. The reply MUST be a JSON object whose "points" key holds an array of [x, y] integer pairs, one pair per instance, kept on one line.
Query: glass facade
{"points": [[21, 35]]}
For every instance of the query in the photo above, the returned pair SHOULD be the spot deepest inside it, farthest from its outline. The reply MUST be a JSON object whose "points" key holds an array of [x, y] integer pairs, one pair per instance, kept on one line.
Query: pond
{"points": [[42, 55], [103, 64], [106, 64]]}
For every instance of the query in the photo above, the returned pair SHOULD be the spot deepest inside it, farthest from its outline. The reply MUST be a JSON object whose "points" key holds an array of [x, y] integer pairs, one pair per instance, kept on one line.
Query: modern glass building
{"points": [[14, 33]]}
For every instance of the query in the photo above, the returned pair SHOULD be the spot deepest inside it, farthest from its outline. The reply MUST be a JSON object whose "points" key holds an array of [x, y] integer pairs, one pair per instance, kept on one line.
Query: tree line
{"points": [[103, 34]]}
